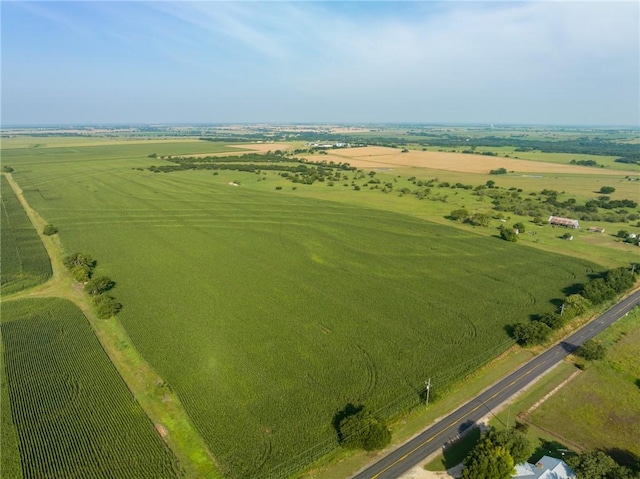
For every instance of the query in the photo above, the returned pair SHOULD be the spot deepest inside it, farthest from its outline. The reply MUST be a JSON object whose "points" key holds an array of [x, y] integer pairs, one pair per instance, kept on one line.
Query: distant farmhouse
{"points": [[566, 222], [545, 468]]}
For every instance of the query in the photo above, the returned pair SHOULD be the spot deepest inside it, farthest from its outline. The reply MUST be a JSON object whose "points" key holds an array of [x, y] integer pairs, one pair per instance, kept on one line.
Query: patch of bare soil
{"points": [[161, 430], [419, 472]]}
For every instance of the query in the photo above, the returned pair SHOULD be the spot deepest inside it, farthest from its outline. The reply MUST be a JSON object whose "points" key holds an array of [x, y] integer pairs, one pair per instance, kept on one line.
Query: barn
{"points": [[566, 222]]}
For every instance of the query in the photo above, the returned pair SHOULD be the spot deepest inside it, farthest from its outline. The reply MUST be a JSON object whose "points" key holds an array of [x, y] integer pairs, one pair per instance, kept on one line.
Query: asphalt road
{"points": [[433, 439]]}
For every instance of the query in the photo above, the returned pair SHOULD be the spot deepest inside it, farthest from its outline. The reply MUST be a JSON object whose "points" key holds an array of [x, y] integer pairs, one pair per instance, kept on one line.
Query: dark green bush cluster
{"points": [[596, 291], [81, 267], [598, 465], [49, 230], [359, 429], [496, 454]]}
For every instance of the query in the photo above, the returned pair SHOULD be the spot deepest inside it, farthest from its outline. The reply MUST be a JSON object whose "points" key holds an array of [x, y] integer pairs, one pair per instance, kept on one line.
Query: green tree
{"points": [[460, 214], [607, 190], [531, 333], [553, 320], [516, 442], [49, 230], [597, 465], [622, 234], [619, 279], [106, 306], [363, 431], [81, 274], [519, 226], [79, 259], [575, 305], [480, 219], [598, 291], [592, 350], [487, 460], [508, 234], [99, 285]]}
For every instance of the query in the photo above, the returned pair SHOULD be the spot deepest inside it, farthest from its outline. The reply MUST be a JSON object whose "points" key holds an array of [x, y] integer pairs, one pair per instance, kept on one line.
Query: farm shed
{"points": [[566, 222], [595, 229]]}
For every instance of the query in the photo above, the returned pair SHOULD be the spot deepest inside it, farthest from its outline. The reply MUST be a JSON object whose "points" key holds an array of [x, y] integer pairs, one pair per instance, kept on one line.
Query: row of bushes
{"points": [[596, 291], [81, 266]]}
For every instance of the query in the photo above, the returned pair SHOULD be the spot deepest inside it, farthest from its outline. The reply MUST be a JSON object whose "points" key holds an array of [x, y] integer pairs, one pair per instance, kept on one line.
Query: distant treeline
{"points": [[294, 169]]}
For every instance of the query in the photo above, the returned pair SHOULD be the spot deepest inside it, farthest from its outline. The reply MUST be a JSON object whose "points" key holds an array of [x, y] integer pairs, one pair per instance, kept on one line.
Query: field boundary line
{"points": [[160, 404]]}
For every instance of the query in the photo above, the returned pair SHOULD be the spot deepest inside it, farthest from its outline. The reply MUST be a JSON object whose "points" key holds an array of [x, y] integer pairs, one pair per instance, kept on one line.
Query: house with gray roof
{"points": [[545, 468]]}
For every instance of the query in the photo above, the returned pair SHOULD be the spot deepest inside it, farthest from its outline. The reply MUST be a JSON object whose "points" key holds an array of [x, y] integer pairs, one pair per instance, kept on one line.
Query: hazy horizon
{"points": [[439, 63]]}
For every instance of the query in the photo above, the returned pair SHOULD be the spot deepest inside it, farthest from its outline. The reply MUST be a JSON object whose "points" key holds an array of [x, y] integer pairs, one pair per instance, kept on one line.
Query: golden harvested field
{"points": [[243, 149], [383, 157]]}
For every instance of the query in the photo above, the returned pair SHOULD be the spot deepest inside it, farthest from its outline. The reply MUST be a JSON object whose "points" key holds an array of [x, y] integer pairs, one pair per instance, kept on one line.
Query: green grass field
{"points": [[607, 414], [267, 311], [25, 262], [74, 416]]}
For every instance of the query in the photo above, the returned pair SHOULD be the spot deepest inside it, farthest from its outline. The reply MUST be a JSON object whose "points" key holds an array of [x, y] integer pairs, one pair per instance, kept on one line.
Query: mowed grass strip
{"points": [[607, 414], [25, 262], [74, 416]]}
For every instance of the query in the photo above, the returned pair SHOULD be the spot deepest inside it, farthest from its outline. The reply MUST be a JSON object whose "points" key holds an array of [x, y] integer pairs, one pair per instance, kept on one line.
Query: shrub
{"points": [[520, 227], [553, 320], [49, 230], [99, 285], [106, 306], [528, 334], [508, 234], [460, 214], [81, 273], [591, 350], [607, 190], [363, 431]]}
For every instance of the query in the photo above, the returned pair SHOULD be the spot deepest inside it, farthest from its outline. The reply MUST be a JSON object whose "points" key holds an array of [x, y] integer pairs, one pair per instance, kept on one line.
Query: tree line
{"points": [[597, 290], [81, 266]]}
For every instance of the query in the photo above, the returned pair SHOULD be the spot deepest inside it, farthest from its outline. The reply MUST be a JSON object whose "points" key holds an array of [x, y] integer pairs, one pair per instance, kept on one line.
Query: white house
{"points": [[545, 468]]}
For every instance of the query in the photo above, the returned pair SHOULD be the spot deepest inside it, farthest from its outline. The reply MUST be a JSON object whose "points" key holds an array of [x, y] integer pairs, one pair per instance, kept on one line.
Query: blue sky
{"points": [[545, 62]]}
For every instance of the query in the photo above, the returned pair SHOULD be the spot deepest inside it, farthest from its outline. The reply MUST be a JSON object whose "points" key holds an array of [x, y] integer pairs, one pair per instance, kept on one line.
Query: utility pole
{"points": [[562, 309], [428, 385]]}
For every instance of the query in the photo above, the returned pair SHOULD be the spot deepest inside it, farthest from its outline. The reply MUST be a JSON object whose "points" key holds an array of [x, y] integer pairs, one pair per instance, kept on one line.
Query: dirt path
{"points": [[160, 404]]}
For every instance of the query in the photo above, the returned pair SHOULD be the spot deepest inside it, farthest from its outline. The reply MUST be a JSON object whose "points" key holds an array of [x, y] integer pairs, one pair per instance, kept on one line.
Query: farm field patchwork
{"points": [[25, 262], [73, 414], [384, 157], [267, 313]]}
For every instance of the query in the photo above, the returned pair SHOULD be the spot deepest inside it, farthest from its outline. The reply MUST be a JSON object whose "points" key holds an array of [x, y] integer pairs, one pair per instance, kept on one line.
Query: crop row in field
{"points": [[74, 416], [25, 261]]}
